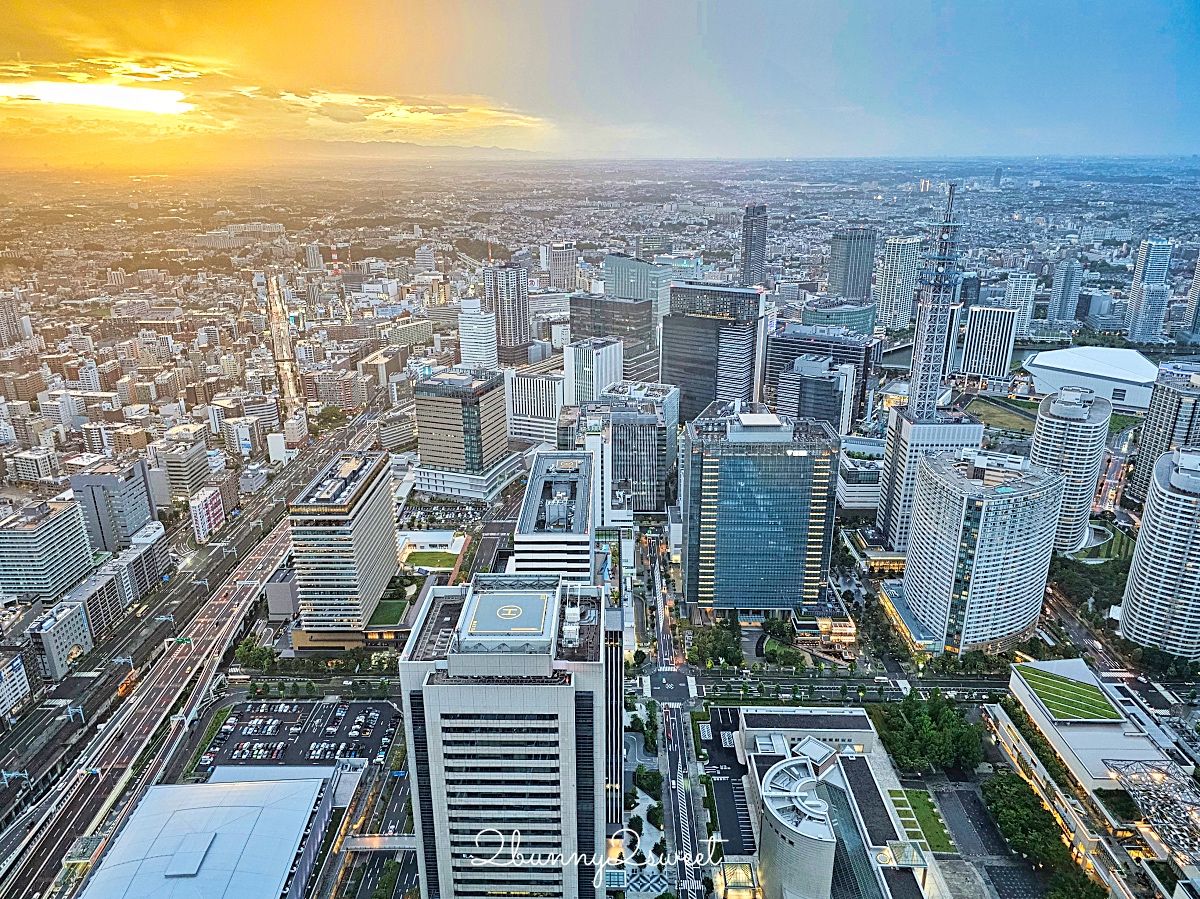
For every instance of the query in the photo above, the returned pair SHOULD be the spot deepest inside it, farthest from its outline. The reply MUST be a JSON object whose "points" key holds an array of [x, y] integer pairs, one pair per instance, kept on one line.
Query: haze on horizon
{"points": [[207, 85]]}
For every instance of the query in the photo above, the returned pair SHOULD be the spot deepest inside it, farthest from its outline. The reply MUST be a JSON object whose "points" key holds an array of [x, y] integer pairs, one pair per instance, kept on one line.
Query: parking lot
{"points": [[281, 732]]}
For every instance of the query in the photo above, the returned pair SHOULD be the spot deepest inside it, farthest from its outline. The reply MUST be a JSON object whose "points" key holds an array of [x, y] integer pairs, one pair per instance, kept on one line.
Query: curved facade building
{"points": [[1069, 437], [1162, 595], [796, 836], [982, 535]]}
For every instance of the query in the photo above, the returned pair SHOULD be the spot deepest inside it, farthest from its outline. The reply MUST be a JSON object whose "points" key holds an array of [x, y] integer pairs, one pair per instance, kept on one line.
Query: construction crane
{"points": [[281, 338]]}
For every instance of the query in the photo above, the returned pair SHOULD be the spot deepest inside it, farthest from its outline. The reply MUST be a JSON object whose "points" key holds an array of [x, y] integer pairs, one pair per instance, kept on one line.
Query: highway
{"points": [[76, 806], [124, 738]]}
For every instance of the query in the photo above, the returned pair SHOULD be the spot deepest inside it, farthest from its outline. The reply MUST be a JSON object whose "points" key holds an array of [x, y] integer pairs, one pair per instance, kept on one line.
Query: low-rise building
{"points": [[14, 683], [58, 638], [207, 513]]}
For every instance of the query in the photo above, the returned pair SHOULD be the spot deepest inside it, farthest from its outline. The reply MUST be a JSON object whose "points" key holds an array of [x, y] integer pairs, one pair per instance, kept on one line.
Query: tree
{"points": [[639, 658], [778, 629], [635, 824], [654, 815]]}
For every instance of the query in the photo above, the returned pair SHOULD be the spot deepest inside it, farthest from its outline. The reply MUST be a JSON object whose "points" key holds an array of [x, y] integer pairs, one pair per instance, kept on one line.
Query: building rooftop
{"points": [[339, 485], [806, 719], [1110, 363], [639, 390], [558, 495], [208, 841], [32, 517], [459, 381]]}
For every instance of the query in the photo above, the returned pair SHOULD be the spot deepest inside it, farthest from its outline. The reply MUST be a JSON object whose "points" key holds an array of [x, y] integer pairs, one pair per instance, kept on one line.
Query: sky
{"points": [[163, 84]]}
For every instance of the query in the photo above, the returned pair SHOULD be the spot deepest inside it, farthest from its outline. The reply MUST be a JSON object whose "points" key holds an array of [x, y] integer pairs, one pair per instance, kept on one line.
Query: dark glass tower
{"points": [[754, 244]]}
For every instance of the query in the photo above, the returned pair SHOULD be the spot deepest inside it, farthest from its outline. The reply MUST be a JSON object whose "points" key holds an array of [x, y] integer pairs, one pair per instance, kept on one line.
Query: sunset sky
{"points": [[207, 84]]}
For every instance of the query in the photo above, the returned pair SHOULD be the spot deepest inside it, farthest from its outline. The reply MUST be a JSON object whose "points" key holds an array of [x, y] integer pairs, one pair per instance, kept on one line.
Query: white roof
{"points": [[208, 841], [1111, 363]]}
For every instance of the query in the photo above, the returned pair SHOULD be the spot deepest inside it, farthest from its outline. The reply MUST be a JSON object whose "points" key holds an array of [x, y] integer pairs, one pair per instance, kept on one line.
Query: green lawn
{"points": [[431, 559], [389, 611], [996, 416], [1068, 699], [930, 820]]}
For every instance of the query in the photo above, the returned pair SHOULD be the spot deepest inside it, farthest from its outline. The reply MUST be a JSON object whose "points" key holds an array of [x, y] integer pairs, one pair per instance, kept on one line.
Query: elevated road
{"points": [[113, 763]]}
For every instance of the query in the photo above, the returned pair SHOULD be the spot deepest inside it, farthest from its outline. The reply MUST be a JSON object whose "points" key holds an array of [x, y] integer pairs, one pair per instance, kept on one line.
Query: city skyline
{"points": [[264, 84]]}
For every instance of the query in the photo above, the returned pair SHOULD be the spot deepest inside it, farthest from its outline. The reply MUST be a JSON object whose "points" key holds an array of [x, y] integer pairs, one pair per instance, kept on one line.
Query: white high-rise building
{"points": [[477, 335], [564, 261], [1018, 294], [1162, 595], [1064, 294], [1149, 293], [982, 536], [988, 346], [590, 365], [1193, 301], [1069, 437], [312, 257], [556, 527], [532, 403], [344, 544], [896, 281], [506, 715], [424, 260]]}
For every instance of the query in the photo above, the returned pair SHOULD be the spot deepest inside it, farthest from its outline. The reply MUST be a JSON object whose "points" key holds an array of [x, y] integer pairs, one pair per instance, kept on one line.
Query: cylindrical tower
{"points": [[796, 837], [1162, 594], [1069, 437]]}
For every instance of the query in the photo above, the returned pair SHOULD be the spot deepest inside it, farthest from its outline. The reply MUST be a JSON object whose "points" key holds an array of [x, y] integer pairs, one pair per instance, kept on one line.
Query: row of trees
{"points": [[647, 728], [1032, 832], [719, 645]]}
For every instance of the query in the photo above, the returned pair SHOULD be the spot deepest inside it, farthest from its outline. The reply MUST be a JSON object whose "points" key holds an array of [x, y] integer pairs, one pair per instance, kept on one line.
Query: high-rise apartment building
{"points": [[988, 346], [477, 341], [115, 499], [507, 721], [851, 261], [754, 244], [1193, 302], [631, 278], [632, 321], [1162, 594], [896, 281], [982, 536], [1019, 290], [920, 428], [1149, 293], [789, 340], [1064, 293], [590, 365], [1173, 420], [1069, 438], [462, 434], [312, 257], [506, 295], [344, 544], [44, 551], [711, 344], [757, 492]]}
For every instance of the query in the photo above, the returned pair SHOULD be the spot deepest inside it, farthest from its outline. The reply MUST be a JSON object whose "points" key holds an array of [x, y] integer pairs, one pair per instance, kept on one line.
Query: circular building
{"points": [[1162, 594], [796, 837], [979, 548], [1069, 437]]}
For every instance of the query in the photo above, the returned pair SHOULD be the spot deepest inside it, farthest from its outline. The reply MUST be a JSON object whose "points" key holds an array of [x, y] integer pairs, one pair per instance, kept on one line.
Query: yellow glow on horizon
{"points": [[105, 96]]}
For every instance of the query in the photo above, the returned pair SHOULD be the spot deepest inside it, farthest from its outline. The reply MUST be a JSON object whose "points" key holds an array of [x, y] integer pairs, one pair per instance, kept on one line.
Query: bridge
{"points": [[380, 842]]}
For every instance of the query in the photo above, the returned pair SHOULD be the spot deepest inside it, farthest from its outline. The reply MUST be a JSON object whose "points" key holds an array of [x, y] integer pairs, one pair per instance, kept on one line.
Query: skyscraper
{"points": [[851, 261], [1064, 294], [564, 263], [791, 339], [505, 717], [1162, 594], [1173, 420], [757, 492], [344, 544], [815, 388], [988, 346], [632, 321], [1193, 302], [919, 428], [896, 281], [44, 550], [312, 257], [477, 342], [506, 294], [982, 536], [590, 365], [711, 344], [1018, 294], [1149, 293], [630, 278], [754, 244], [1069, 437]]}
